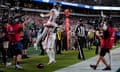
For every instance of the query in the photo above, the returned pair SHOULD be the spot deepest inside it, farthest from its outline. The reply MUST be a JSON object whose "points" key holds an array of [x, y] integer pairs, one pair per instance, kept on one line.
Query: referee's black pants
{"points": [[81, 42], [58, 46]]}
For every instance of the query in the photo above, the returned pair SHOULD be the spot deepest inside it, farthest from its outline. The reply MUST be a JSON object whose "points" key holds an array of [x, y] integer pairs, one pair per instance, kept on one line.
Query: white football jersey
{"points": [[53, 17]]}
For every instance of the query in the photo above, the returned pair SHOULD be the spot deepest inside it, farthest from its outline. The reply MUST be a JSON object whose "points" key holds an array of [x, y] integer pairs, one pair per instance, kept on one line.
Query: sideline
{"points": [[84, 65]]}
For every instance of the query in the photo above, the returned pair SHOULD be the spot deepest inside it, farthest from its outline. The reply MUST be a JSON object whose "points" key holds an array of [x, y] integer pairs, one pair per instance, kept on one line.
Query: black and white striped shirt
{"points": [[80, 31]]}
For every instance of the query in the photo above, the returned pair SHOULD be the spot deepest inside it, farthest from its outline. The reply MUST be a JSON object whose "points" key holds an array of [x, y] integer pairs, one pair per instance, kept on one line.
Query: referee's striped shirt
{"points": [[80, 31]]}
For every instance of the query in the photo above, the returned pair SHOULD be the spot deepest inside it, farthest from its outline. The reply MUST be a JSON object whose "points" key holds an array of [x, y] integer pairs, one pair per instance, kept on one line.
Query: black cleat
{"points": [[93, 67], [107, 68]]}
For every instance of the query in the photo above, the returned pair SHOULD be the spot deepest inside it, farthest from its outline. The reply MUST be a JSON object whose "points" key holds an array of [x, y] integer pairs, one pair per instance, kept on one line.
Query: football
{"points": [[40, 65]]}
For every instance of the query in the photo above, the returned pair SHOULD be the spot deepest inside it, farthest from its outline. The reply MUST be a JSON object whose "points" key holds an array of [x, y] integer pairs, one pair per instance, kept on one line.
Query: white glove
{"points": [[104, 27], [42, 15], [35, 46]]}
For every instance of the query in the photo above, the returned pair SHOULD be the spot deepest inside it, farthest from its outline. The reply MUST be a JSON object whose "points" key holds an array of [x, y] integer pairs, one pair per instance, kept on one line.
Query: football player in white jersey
{"points": [[49, 33]]}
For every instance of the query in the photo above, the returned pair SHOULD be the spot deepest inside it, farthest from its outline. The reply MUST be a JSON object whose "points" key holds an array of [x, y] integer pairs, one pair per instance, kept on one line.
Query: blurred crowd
{"points": [[28, 28]]}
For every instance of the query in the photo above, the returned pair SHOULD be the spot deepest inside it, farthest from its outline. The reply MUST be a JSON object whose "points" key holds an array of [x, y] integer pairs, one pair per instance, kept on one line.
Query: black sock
{"points": [[18, 63]]}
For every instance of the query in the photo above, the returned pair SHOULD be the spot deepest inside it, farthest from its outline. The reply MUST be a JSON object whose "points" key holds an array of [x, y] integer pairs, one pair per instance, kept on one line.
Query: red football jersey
{"points": [[13, 33], [109, 42]]}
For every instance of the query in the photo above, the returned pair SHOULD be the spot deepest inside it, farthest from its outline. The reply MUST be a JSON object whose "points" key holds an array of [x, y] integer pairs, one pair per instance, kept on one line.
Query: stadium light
{"points": [[83, 6]]}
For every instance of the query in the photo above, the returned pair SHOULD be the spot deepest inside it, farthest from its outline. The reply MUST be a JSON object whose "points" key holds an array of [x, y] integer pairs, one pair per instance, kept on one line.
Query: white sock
{"points": [[49, 54], [110, 59], [53, 54]]}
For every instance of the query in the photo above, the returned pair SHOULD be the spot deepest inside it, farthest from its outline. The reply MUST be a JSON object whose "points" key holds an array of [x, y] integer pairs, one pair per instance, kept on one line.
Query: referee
{"points": [[80, 33]]}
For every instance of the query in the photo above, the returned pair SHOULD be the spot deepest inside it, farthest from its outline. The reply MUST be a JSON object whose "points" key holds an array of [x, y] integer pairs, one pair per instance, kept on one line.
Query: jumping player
{"points": [[49, 33]]}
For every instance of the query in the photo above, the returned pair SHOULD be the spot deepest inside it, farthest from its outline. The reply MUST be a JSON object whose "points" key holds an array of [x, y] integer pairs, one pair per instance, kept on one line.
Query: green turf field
{"points": [[67, 58]]}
